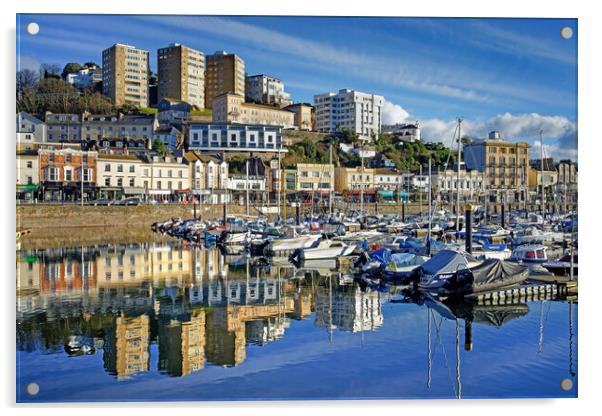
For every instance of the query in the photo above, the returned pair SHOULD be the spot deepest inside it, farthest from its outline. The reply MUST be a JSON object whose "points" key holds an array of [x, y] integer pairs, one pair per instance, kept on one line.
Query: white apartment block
{"points": [[266, 89], [356, 111]]}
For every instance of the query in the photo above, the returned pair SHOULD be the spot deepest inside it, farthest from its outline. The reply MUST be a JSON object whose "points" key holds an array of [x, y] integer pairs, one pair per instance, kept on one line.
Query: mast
{"points": [[279, 183], [420, 191], [543, 206], [247, 188], [330, 182], [458, 175], [430, 207], [362, 178]]}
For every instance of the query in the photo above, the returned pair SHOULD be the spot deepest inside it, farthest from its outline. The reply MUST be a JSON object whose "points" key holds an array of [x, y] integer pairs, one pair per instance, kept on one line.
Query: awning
{"points": [[386, 193], [27, 188], [160, 192]]}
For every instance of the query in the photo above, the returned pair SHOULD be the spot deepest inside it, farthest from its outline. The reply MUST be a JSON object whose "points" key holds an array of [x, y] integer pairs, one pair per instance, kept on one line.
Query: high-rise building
{"points": [[356, 111], [224, 73], [182, 74], [125, 71], [266, 89]]}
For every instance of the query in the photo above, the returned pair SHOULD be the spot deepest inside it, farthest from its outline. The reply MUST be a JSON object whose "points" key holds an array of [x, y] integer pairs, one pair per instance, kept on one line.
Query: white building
{"points": [[235, 137], [209, 180], [266, 89], [85, 77], [240, 183], [471, 183], [118, 175], [406, 132], [388, 179], [356, 111], [30, 129]]}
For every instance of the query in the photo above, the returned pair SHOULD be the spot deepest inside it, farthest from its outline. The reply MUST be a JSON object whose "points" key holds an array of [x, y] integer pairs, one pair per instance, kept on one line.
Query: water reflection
{"points": [[198, 305], [175, 310]]}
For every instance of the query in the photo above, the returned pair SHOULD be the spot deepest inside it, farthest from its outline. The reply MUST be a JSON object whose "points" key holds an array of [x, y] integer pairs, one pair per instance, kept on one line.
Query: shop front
{"points": [[355, 195], [27, 192]]}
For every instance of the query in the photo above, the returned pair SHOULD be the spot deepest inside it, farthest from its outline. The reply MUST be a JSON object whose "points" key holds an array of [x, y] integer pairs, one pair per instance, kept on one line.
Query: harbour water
{"points": [[167, 321]]}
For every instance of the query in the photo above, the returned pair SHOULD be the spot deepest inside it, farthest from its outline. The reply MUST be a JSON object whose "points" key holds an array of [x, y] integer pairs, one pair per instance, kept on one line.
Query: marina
{"points": [[215, 307]]}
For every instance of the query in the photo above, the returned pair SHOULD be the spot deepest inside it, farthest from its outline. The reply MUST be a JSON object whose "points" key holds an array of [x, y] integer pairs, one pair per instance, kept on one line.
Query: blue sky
{"points": [[516, 75]]}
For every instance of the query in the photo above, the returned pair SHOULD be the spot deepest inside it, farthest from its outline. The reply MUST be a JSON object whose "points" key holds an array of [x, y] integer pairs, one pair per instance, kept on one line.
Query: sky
{"points": [[518, 76]]}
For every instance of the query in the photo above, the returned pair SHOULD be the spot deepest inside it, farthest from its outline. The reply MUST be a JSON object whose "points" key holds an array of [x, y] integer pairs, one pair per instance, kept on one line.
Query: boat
{"points": [[562, 266], [324, 249], [457, 272], [443, 267], [530, 253], [286, 246]]}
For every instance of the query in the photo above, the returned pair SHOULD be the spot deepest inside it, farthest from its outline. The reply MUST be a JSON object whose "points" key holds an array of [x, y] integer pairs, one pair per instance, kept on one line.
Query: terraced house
{"points": [[65, 172]]}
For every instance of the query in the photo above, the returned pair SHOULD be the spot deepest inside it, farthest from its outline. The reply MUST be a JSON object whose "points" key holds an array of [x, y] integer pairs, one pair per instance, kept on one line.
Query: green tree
{"points": [[159, 147], [70, 68]]}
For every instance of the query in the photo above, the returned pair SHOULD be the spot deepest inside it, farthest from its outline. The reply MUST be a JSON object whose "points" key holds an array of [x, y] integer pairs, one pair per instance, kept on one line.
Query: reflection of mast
{"points": [[429, 364], [458, 359], [362, 317], [540, 341], [330, 308], [571, 335]]}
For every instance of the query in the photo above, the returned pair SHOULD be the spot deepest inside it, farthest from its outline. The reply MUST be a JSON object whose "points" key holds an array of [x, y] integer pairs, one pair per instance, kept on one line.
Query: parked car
{"points": [[102, 202], [128, 201]]}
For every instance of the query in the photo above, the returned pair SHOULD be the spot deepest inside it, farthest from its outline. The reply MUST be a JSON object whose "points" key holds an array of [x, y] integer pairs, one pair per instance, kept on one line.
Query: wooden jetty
{"points": [[534, 289]]}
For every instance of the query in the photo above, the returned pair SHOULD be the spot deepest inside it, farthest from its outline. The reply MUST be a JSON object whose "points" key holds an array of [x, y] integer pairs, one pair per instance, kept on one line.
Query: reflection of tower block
{"points": [[193, 343], [303, 305], [224, 347], [126, 347], [182, 345]]}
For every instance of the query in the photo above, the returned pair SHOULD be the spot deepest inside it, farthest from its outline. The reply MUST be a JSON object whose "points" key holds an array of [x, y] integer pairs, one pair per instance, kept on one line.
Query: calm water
{"points": [[168, 322]]}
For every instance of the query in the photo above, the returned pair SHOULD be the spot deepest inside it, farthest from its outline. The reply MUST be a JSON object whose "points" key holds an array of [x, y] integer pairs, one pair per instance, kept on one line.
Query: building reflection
{"points": [[198, 306]]}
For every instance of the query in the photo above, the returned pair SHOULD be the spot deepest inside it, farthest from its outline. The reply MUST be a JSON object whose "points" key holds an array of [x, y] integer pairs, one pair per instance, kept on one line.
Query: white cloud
{"points": [[559, 133], [393, 113]]}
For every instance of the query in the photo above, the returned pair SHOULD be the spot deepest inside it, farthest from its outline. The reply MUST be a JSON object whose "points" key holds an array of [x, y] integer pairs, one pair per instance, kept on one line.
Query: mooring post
{"points": [[298, 213], [224, 213], [468, 227], [403, 211]]}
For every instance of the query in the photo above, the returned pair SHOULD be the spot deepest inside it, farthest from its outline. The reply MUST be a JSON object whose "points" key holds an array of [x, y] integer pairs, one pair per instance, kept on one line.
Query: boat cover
{"points": [[446, 261], [494, 273], [383, 255]]}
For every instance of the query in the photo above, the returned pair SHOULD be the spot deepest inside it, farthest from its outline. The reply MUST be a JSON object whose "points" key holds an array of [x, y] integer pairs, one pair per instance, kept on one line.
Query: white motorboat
{"points": [[286, 246], [325, 249], [235, 238], [532, 253]]}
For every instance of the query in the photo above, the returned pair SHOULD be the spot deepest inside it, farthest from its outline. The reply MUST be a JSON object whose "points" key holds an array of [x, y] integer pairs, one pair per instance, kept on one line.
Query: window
{"points": [[120, 168], [107, 168], [119, 181], [180, 185], [107, 181], [132, 168], [86, 175], [68, 175], [29, 164], [132, 181], [158, 184]]}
